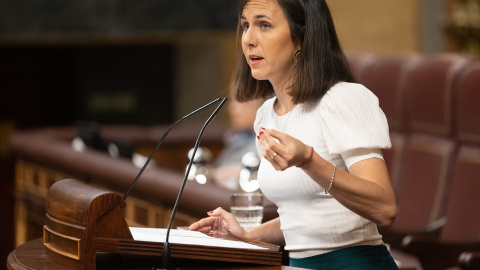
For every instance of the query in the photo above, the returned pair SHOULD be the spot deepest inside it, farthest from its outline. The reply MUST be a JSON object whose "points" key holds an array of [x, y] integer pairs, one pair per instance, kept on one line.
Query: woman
{"points": [[320, 137]]}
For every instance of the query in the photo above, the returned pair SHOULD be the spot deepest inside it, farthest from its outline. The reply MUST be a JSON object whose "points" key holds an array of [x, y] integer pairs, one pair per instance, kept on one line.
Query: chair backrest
{"points": [[385, 77], [429, 151], [425, 177], [429, 97], [463, 210], [393, 158], [468, 105], [463, 215]]}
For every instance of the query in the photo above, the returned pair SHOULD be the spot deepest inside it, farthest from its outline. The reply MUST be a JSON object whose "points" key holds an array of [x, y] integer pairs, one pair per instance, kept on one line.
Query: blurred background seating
{"points": [[431, 102]]}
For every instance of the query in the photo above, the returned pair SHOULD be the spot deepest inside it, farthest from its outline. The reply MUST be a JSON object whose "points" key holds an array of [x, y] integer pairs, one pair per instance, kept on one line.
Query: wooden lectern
{"points": [[82, 220]]}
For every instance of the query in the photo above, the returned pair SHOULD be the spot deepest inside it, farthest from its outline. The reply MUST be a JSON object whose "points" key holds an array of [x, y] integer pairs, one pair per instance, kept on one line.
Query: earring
{"points": [[295, 55]]}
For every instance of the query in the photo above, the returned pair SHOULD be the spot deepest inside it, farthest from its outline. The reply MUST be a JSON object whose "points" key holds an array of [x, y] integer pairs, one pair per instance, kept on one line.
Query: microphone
{"points": [[166, 245], [162, 139]]}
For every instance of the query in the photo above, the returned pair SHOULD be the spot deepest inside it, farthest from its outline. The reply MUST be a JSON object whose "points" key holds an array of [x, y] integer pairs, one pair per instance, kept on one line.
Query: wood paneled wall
{"points": [[383, 26]]}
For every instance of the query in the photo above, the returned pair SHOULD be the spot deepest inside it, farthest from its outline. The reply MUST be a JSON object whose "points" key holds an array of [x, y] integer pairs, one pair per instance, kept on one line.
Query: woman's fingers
{"points": [[219, 222], [270, 148], [209, 225], [279, 136], [226, 222], [204, 225], [280, 149]]}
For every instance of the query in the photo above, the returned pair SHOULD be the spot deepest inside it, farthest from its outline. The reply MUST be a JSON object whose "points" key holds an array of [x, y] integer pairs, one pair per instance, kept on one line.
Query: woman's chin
{"points": [[258, 77]]}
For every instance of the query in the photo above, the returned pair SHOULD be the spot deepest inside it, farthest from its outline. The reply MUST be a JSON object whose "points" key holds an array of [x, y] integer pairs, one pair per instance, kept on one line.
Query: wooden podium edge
{"points": [[185, 251], [78, 227]]}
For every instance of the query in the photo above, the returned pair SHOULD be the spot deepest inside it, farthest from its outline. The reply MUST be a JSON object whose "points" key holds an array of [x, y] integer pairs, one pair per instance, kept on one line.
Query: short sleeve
{"points": [[351, 119]]}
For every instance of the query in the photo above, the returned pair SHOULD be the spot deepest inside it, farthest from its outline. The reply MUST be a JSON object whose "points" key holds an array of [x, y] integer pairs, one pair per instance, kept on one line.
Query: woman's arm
{"points": [[221, 222], [268, 232], [365, 190]]}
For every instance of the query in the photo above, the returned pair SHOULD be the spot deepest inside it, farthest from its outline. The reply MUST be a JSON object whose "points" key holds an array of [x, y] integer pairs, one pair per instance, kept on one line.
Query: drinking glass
{"points": [[247, 209]]}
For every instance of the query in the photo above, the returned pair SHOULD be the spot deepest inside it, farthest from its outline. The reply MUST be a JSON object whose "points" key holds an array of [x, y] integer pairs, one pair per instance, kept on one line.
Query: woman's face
{"points": [[266, 41]]}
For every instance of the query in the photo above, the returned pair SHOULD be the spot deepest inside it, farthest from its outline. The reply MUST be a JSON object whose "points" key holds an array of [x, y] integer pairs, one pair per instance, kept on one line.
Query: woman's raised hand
{"points": [[219, 222], [282, 150]]}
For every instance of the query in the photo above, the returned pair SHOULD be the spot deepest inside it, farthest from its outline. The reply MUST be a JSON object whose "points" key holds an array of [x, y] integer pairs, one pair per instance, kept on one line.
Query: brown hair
{"points": [[320, 65]]}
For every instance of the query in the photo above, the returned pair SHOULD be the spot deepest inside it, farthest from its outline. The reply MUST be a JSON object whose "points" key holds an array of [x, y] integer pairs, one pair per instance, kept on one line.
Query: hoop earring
{"points": [[295, 55]]}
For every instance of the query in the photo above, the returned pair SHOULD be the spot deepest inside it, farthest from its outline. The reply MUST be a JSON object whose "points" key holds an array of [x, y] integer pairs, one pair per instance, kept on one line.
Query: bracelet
{"points": [[308, 159], [333, 178]]}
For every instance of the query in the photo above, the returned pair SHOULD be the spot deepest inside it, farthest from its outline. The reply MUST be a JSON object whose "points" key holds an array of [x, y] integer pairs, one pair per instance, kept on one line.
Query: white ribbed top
{"points": [[346, 126]]}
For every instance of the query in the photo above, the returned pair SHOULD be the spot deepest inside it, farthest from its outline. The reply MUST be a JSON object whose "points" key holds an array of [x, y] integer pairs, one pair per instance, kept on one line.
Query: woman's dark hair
{"points": [[320, 65]]}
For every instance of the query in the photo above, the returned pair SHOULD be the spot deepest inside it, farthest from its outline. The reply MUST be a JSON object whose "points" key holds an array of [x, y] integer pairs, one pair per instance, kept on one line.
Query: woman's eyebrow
{"points": [[260, 16]]}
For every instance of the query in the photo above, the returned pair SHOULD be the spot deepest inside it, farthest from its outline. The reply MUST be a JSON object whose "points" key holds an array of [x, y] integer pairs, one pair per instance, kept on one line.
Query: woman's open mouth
{"points": [[255, 59]]}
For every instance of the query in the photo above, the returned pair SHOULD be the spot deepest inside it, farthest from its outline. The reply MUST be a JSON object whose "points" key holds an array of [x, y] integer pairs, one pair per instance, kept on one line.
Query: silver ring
{"points": [[274, 155], [210, 228]]}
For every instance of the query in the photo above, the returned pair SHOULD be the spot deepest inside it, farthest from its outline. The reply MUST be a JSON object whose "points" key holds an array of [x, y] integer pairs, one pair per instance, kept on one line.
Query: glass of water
{"points": [[247, 209]]}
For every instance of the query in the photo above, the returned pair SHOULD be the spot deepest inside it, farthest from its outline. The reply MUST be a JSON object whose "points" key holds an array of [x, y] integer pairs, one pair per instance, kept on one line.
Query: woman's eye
{"points": [[245, 26], [266, 26]]}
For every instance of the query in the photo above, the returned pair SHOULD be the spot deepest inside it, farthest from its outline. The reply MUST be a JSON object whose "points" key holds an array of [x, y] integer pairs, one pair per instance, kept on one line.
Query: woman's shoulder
{"points": [[349, 91], [349, 100], [348, 94], [352, 119], [267, 104]]}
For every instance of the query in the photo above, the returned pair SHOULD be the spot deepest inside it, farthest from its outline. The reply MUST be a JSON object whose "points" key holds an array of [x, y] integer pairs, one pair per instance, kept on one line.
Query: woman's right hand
{"points": [[219, 222]]}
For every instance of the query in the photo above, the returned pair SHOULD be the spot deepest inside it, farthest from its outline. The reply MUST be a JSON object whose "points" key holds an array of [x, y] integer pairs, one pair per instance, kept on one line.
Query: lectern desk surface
{"points": [[31, 256], [82, 221]]}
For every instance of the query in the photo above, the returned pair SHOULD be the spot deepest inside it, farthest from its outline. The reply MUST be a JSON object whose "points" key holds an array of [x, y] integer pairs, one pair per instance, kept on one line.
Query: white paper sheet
{"points": [[186, 237]]}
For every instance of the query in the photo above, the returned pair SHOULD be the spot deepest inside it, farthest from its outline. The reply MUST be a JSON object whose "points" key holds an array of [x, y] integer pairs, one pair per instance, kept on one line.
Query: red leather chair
{"points": [[393, 158], [385, 77], [457, 240], [461, 232], [422, 190], [421, 193], [430, 94], [468, 133], [468, 105], [426, 168]]}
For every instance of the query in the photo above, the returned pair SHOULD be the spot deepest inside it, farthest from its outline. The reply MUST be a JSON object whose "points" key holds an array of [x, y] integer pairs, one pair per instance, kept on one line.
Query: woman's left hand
{"points": [[283, 151], [219, 222]]}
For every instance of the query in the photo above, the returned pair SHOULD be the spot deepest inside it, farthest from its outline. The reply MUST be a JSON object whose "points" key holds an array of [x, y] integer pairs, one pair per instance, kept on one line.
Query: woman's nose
{"points": [[249, 39]]}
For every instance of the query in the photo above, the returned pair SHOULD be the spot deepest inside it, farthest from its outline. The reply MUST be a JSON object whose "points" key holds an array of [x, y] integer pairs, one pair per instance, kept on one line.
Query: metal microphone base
{"points": [[165, 258]]}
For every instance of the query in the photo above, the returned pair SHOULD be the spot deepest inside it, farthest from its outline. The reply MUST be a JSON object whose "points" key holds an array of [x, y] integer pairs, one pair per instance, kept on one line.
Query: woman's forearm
{"points": [[268, 232], [365, 190]]}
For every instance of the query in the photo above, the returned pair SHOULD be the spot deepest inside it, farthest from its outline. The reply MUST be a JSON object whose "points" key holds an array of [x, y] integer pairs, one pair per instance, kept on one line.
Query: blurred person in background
{"points": [[239, 139]]}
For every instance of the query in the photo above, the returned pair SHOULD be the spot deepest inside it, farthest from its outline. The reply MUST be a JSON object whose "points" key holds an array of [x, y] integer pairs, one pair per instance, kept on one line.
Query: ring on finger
{"points": [[274, 155]]}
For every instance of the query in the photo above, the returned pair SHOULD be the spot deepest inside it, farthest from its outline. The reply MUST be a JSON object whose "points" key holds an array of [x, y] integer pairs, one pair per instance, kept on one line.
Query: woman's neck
{"points": [[284, 103]]}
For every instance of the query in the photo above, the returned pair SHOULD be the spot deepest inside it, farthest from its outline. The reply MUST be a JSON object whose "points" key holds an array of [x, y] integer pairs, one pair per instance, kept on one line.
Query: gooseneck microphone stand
{"points": [[166, 245], [161, 141]]}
